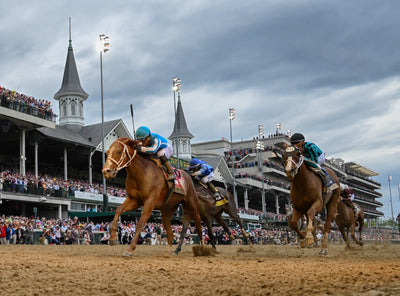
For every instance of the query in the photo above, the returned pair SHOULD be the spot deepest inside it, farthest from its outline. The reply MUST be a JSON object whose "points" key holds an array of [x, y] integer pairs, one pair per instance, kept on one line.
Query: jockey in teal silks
{"points": [[152, 143], [315, 158]]}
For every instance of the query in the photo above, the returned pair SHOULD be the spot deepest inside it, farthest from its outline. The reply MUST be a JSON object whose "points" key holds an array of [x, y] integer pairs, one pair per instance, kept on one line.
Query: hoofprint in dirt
{"points": [[373, 269]]}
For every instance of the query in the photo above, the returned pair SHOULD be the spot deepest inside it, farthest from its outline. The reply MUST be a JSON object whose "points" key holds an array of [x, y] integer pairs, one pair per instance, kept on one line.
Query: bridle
{"points": [[125, 154], [297, 165]]}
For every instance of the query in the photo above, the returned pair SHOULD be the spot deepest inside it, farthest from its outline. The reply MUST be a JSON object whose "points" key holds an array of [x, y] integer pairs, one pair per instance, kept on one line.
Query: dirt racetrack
{"points": [[371, 270]]}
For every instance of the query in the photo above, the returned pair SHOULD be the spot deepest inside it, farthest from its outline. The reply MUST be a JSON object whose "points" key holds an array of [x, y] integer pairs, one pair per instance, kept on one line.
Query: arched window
{"points": [[81, 110], [73, 111], [64, 109]]}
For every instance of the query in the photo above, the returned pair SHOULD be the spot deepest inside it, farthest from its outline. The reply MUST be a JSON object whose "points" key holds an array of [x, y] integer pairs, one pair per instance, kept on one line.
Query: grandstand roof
{"points": [[63, 134], [220, 163], [360, 169], [93, 132]]}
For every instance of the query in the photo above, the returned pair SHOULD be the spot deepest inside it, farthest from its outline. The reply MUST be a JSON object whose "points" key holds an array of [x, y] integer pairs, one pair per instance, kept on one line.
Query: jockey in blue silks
{"points": [[152, 143], [315, 158], [205, 173]]}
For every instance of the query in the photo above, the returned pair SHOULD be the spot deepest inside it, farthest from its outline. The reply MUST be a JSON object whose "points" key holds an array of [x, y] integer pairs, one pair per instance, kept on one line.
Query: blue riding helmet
{"points": [[142, 132], [194, 163]]}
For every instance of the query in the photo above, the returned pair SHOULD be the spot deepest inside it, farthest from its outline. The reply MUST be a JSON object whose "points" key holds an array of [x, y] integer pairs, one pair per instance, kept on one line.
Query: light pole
{"points": [[104, 47], [391, 203], [232, 116], [176, 87], [260, 148]]}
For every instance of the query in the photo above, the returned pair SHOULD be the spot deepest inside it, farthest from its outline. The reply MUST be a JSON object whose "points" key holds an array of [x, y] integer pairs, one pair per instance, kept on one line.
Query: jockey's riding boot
{"points": [[213, 190], [168, 166], [219, 199], [354, 210]]}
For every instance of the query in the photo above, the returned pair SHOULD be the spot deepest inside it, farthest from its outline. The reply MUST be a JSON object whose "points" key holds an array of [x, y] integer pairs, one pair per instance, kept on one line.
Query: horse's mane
{"points": [[133, 143]]}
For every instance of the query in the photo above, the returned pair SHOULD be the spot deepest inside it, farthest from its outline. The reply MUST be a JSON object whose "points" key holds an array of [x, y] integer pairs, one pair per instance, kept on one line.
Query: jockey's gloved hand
{"points": [[196, 173], [139, 147]]}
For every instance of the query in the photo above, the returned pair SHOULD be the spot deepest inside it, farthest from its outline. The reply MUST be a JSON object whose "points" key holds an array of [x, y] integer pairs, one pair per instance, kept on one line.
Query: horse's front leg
{"points": [[146, 212], [315, 208], [294, 224], [128, 205]]}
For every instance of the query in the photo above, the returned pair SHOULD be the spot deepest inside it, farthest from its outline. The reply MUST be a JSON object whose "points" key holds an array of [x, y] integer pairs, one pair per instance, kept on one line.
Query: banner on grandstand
{"points": [[98, 197]]}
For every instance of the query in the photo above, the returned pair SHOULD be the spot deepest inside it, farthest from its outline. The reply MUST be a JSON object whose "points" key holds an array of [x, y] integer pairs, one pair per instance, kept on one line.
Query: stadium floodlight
{"points": [[232, 114], [176, 84], [260, 130], [278, 127]]}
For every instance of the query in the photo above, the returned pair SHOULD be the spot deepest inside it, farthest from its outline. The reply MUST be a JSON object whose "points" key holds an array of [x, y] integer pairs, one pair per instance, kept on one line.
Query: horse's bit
{"points": [[122, 158]]}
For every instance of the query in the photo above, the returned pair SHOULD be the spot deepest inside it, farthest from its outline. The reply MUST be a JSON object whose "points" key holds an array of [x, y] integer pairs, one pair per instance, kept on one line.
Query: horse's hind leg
{"points": [[345, 235], [221, 222], [166, 216], [185, 224], [128, 205]]}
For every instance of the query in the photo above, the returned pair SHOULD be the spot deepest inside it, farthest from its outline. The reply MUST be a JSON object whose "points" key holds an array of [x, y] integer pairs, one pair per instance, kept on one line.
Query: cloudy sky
{"points": [[328, 69]]}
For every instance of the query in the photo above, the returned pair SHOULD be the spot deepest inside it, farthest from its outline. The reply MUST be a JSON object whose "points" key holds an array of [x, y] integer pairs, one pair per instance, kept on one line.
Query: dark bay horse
{"points": [[307, 197], [208, 211], [146, 186], [398, 221], [346, 222]]}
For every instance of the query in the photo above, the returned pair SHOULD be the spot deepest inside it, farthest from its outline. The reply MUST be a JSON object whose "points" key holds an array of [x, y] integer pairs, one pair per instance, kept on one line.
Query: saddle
{"points": [[357, 209], [320, 172], [219, 201], [179, 185]]}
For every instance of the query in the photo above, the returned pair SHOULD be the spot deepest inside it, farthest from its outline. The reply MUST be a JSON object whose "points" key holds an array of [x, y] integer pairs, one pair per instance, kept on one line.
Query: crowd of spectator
{"points": [[12, 181], [21, 230], [26, 104]]}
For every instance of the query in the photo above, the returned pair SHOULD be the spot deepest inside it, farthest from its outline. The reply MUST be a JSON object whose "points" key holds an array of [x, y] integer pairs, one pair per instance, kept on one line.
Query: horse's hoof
{"points": [[302, 244], [127, 254], [113, 242], [323, 252]]}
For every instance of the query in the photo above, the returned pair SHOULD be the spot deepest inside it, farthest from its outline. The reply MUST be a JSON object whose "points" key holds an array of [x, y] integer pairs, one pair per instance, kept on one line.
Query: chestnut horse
{"points": [[318, 224], [346, 222], [307, 197], [208, 211], [146, 186]]}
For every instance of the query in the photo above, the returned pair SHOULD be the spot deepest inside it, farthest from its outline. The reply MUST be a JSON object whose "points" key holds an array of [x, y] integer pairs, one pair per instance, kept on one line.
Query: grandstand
{"points": [[54, 170]]}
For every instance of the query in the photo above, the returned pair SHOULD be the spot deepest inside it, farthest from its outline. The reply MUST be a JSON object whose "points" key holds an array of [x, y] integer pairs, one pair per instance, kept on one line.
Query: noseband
{"points": [[125, 153]]}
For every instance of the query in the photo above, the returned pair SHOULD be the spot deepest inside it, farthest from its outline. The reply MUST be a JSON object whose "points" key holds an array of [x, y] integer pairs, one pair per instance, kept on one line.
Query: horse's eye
{"points": [[119, 152]]}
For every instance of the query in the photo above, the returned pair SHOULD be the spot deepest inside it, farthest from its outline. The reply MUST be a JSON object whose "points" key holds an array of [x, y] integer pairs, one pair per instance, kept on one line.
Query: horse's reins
{"points": [[122, 158]]}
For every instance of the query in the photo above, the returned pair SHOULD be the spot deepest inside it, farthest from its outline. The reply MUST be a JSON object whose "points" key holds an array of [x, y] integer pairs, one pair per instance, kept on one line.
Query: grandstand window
{"points": [[81, 109], [64, 108]]}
